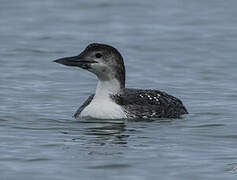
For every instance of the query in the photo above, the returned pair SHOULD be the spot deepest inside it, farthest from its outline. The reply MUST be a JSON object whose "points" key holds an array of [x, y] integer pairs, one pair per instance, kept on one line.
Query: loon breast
{"points": [[103, 108]]}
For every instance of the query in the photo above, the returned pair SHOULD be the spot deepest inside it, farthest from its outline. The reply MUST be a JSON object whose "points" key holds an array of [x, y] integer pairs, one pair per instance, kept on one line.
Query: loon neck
{"points": [[107, 88]]}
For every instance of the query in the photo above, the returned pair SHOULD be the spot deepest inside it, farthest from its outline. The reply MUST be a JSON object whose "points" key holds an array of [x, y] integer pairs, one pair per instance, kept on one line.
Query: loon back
{"points": [[139, 103]]}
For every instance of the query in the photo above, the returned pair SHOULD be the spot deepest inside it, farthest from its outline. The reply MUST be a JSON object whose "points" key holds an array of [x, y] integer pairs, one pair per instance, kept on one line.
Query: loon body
{"points": [[111, 99]]}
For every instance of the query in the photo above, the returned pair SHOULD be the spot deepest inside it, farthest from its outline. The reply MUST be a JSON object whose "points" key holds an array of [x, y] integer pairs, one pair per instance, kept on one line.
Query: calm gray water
{"points": [[184, 47]]}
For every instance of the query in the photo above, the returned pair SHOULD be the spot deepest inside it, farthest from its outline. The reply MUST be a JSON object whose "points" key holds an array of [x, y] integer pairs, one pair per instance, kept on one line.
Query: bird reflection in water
{"points": [[106, 131]]}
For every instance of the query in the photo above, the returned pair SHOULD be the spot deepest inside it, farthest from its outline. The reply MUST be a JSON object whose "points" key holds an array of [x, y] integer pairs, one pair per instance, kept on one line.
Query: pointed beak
{"points": [[75, 61]]}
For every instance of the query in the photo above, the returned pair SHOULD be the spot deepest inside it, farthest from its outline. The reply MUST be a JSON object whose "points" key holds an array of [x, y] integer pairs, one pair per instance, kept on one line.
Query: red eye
{"points": [[98, 55]]}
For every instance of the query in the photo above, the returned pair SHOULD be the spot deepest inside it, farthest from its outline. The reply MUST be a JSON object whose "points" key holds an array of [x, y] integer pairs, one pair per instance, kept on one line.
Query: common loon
{"points": [[111, 99]]}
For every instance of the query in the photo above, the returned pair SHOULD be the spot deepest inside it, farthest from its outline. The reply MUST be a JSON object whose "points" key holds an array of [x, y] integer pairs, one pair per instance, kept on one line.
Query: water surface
{"points": [[186, 48]]}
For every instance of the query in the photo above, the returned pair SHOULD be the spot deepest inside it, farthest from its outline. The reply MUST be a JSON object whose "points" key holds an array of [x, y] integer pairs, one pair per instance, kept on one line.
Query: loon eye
{"points": [[98, 55]]}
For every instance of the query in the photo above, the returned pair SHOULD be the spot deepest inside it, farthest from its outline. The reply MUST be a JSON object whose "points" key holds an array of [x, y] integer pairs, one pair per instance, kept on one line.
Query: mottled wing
{"points": [[86, 103], [149, 104]]}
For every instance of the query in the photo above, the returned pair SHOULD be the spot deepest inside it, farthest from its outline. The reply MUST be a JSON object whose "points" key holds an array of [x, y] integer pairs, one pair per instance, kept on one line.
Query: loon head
{"points": [[103, 60]]}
